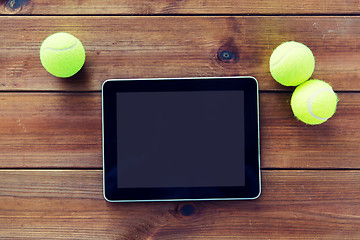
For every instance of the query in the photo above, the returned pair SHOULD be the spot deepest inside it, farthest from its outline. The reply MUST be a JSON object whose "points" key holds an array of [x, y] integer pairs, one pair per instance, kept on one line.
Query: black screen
{"points": [[180, 139]]}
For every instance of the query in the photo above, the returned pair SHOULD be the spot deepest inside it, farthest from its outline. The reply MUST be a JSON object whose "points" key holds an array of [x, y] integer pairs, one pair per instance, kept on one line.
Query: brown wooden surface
{"points": [[69, 204], [40, 130], [63, 130], [135, 47], [50, 128], [147, 7]]}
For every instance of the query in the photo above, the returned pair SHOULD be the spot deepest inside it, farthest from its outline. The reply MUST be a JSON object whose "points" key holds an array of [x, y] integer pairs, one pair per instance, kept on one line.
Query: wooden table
{"points": [[50, 128]]}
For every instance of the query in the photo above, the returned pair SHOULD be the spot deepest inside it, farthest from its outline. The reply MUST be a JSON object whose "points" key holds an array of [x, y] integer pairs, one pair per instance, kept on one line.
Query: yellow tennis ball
{"points": [[292, 63], [314, 102], [62, 54]]}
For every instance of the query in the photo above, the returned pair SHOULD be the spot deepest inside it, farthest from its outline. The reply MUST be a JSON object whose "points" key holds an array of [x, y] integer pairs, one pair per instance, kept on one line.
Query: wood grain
{"points": [[310, 176], [147, 7], [135, 47], [289, 143], [63, 130], [43, 204], [50, 130]]}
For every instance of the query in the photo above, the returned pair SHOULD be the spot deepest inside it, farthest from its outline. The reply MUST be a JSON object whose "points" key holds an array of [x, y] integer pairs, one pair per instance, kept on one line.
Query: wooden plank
{"points": [[50, 130], [135, 47], [69, 204], [289, 143], [63, 130], [147, 7]]}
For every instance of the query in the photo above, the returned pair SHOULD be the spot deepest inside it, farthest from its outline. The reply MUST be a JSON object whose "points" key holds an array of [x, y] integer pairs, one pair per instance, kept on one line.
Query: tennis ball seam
{"points": [[62, 49], [311, 99], [284, 57]]}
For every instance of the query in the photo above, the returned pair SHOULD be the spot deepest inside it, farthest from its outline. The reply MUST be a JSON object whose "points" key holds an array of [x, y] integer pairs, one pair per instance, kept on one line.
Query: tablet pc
{"points": [[180, 139]]}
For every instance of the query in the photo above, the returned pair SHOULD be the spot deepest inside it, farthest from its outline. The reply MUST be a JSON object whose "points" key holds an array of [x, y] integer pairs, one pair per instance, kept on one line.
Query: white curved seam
{"points": [[284, 57], [64, 49], [311, 99]]}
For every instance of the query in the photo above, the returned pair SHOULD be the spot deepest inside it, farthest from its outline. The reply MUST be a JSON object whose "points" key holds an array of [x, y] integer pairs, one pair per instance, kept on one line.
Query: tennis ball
{"points": [[314, 102], [62, 54], [292, 63]]}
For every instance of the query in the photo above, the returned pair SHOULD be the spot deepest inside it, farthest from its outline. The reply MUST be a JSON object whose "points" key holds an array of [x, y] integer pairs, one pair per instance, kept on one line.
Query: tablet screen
{"points": [[180, 139]]}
